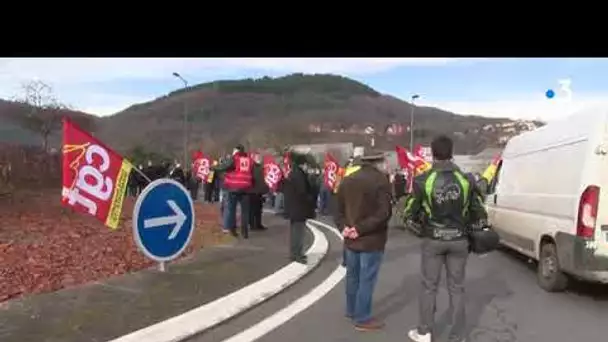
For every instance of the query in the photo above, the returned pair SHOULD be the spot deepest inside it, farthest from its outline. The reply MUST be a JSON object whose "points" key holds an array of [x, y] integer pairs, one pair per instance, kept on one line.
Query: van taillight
{"points": [[587, 212]]}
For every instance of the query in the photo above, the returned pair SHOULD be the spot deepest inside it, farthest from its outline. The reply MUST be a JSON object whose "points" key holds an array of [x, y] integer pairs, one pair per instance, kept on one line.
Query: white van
{"points": [[550, 200]]}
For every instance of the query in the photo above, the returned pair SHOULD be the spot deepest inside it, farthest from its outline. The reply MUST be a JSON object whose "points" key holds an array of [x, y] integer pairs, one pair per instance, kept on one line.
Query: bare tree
{"points": [[44, 112]]}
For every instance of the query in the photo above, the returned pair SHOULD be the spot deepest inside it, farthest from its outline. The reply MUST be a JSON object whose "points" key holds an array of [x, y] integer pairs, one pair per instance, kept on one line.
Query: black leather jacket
{"points": [[445, 202]]}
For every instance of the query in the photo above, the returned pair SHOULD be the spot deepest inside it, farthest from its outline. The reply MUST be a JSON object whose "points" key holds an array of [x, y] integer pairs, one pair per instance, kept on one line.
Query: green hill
{"points": [[277, 111]]}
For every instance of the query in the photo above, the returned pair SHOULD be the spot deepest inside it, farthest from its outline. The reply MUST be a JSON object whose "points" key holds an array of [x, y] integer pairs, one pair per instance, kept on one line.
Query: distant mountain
{"points": [[273, 112]]}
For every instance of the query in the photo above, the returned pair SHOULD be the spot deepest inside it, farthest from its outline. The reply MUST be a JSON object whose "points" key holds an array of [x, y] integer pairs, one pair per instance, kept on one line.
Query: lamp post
{"points": [[414, 97], [185, 121]]}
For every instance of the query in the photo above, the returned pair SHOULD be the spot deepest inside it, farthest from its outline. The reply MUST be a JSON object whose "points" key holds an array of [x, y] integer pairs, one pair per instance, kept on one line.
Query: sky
{"points": [[494, 87]]}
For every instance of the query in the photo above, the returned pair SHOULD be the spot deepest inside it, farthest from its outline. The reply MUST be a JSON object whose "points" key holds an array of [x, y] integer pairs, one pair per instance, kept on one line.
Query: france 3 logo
{"points": [[565, 91]]}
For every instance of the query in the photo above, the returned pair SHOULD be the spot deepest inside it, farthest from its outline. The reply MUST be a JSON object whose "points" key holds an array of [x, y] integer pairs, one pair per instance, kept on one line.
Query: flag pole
{"points": [[141, 173]]}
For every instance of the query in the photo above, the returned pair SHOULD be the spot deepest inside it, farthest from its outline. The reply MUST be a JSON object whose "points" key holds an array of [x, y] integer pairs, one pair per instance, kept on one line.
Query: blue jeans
{"points": [[361, 276], [324, 196], [230, 205], [223, 199]]}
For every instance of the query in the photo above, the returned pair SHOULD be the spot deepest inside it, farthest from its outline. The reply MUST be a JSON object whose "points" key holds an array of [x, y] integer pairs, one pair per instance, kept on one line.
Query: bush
{"points": [[27, 167]]}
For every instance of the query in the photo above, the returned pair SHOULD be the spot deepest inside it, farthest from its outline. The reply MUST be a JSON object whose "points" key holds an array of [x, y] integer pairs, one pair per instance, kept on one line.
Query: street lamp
{"points": [[185, 121], [414, 97]]}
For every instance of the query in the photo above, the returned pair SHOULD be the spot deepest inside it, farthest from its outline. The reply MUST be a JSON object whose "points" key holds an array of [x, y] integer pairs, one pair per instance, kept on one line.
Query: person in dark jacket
{"points": [[399, 185], [192, 184], [300, 205], [445, 204], [364, 209], [215, 181], [315, 182], [178, 174], [208, 190], [259, 189]]}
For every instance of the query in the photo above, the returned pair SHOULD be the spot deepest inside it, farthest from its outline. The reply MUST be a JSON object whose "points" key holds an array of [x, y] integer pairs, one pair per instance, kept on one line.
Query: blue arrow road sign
{"points": [[163, 220]]}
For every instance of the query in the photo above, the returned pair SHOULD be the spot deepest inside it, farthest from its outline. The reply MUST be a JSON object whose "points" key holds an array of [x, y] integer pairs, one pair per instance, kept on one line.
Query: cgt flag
{"points": [[94, 177], [202, 166], [415, 164], [272, 173], [330, 174], [424, 153]]}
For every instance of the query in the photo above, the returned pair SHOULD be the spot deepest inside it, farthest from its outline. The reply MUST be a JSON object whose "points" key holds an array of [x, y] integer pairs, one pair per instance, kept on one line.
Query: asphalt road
{"points": [[504, 303]]}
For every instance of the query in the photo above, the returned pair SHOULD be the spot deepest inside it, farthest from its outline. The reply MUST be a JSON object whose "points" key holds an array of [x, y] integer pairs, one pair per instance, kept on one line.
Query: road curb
{"points": [[278, 318], [220, 310]]}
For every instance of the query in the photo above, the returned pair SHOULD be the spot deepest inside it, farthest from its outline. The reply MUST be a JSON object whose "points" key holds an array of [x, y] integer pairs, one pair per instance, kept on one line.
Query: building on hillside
{"points": [[394, 129], [341, 151], [314, 128]]}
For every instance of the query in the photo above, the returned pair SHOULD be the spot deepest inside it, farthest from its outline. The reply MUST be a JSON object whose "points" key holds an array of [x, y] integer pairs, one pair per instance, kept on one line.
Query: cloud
{"points": [[522, 107], [81, 80], [70, 70], [106, 104]]}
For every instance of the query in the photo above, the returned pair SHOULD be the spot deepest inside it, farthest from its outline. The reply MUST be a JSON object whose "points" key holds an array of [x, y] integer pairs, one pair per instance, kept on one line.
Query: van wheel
{"points": [[550, 276]]}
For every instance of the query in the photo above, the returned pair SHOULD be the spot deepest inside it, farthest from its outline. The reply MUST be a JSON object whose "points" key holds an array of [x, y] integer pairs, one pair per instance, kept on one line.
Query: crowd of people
{"points": [[444, 202]]}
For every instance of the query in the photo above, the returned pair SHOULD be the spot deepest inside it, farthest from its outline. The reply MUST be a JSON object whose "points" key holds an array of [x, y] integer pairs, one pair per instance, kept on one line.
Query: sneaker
{"points": [[415, 336], [371, 325]]}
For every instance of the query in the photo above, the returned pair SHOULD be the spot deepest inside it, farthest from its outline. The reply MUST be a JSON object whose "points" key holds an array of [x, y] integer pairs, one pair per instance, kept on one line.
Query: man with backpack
{"points": [[445, 203]]}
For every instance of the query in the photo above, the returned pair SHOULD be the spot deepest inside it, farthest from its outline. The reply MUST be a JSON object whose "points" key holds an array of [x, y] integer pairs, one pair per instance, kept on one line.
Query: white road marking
{"points": [[281, 317], [209, 315]]}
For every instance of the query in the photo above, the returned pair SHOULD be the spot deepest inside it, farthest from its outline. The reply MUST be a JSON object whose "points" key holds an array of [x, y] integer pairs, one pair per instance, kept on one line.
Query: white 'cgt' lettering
{"points": [[331, 172], [101, 188]]}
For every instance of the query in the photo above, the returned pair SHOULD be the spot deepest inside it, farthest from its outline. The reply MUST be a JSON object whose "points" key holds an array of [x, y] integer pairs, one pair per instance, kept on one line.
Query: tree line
{"points": [[286, 85]]}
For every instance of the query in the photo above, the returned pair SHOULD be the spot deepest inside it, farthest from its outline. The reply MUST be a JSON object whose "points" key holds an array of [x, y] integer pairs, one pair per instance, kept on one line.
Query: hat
{"points": [[371, 157]]}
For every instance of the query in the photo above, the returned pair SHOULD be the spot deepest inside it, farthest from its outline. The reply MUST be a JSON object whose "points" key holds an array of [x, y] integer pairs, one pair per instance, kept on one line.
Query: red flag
{"points": [[413, 163], [94, 176], [197, 154], [408, 160], [201, 166], [402, 158], [331, 169], [497, 159], [272, 172], [424, 154], [405, 162]]}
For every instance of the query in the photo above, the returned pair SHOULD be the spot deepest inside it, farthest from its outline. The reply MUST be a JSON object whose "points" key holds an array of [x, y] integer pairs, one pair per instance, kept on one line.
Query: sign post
{"points": [[163, 220]]}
